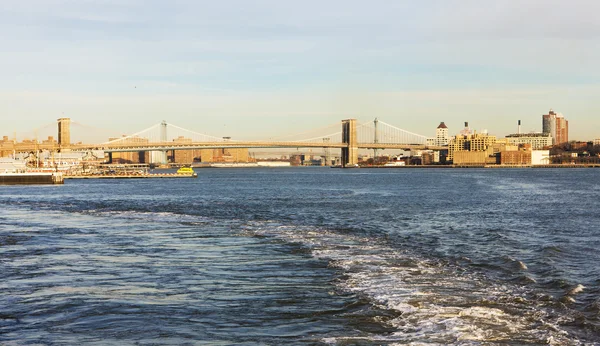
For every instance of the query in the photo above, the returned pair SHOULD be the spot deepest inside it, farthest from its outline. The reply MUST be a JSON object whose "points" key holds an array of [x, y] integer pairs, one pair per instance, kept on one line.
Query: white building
{"points": [[441, 136], [537, 140], [540, 157]]}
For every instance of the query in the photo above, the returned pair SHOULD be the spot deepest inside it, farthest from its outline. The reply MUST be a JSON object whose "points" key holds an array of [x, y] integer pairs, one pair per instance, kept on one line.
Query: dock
{"points": [[31, 178], [132, 176]]}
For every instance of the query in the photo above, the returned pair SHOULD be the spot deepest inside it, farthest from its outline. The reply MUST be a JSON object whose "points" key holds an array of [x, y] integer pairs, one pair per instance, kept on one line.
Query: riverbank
{"points": [[486, 166]]}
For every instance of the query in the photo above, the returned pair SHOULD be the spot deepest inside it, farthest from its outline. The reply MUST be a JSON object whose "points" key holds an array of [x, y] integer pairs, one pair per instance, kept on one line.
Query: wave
{"points": [[429, 301]]}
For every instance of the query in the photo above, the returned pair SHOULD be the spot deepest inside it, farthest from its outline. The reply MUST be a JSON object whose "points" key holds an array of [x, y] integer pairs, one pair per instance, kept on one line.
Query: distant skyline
{"points": [[255, 69]]}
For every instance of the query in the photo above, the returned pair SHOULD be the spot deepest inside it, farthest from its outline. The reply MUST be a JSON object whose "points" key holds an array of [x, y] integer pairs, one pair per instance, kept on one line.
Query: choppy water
{"points": [[305, 256]]}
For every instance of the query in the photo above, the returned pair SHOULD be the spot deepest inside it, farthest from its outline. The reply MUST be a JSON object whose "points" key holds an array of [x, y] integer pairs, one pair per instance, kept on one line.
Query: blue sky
{"points": [[255, 69]]}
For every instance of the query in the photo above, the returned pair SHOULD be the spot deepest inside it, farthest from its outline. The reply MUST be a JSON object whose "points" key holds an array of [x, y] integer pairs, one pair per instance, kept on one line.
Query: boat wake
{"points": [[429, 302]]}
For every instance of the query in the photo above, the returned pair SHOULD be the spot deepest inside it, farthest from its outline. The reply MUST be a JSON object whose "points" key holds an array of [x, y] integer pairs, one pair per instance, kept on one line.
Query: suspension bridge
{"points": [[350, 137]]}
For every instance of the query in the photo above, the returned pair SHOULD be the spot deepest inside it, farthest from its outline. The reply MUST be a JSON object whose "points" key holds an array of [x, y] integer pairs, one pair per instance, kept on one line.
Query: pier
{"points": [[133, 176], [31, 178]]}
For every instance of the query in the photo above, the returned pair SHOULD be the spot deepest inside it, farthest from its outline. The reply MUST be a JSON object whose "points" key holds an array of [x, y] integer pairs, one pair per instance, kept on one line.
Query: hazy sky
{"points": [[257, 68]]}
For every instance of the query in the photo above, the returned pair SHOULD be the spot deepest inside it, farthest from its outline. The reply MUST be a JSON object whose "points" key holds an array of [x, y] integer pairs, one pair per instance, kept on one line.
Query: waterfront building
{"points": [[556, 126], [516, 155], [522, 154], [8, 147], [536, 140], [476, 148], [228, 155], [540, 157]]}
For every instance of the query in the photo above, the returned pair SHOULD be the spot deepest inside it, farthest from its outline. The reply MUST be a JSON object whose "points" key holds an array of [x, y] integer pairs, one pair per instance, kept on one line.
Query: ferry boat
{"points": [[186, 170]]}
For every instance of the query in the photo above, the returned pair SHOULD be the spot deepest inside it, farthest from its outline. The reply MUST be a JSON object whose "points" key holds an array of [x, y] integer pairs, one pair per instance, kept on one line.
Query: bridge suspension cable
{"points": [[194, 136], [39, 132], [329, 131], [387, 134], [139, 134]]}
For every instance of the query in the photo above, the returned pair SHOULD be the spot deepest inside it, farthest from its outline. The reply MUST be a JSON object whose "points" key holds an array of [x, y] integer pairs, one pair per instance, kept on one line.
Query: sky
{"points": [[254, 69]]}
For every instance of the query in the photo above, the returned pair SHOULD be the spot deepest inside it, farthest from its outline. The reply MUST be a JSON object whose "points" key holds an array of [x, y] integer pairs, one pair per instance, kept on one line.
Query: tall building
{"points": [[557, 126], [441, 136], [64, 131]]}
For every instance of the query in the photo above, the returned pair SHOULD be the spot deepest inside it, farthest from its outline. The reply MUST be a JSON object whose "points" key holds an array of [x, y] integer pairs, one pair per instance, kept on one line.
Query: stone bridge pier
{"points": [[350, 152]]}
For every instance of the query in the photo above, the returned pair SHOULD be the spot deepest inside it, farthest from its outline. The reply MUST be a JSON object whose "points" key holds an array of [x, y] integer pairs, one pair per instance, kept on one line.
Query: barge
{"points": [[31, 178]]}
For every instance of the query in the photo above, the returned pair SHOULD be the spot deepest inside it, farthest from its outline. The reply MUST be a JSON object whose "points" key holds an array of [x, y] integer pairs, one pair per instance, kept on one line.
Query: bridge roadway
{"points": [[131, 147]]}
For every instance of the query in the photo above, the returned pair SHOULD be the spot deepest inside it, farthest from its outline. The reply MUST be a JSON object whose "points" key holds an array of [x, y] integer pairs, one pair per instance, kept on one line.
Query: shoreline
{"points": [[486, 166]]}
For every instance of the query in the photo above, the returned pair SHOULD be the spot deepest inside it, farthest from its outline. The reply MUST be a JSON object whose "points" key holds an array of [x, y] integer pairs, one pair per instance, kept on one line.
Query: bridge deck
{"points": [[239, 144]]}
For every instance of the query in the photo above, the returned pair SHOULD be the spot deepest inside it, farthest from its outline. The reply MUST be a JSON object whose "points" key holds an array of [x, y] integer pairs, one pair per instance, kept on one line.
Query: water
{"points": [[304, 256]]}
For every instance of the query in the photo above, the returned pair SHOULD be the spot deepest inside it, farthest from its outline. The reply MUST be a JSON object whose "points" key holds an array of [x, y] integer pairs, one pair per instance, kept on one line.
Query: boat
{"points": [[186, 170]]}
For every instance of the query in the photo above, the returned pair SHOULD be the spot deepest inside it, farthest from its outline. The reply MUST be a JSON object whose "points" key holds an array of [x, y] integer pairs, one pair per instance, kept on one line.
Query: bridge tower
{"points": [[161, 156], [375, 137], [163, 131], [349, 153], [327, 159]]}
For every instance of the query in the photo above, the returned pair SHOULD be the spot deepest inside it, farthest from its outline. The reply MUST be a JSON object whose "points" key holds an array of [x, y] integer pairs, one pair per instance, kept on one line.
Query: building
{"points": [[229, 155], [540, 157], [597, 141], [467, 130], [556, 126], [64, 132], [8, 147], [182, 156], [536, 140], [129, 157], [522, 154], [476, 148], [441, 136], [516, 155]]}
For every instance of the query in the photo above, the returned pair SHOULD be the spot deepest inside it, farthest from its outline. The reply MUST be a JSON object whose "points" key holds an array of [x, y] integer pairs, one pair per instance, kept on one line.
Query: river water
{"points": [[305, 256]]}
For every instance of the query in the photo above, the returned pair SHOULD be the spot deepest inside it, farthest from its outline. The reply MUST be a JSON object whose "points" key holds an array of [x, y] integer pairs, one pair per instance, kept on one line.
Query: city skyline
{"points": [[263, 67]]}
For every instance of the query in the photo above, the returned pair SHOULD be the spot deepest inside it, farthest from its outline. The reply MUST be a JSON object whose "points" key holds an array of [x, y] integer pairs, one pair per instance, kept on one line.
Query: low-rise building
{"points": [[464, 157], [521, 156], [536, 140], [476, 148], [540, 157]]}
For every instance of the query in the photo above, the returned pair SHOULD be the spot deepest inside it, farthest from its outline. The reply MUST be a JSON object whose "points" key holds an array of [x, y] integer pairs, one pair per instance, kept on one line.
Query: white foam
{"points": [[575, 290], [522, 265], [435, 303]]}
